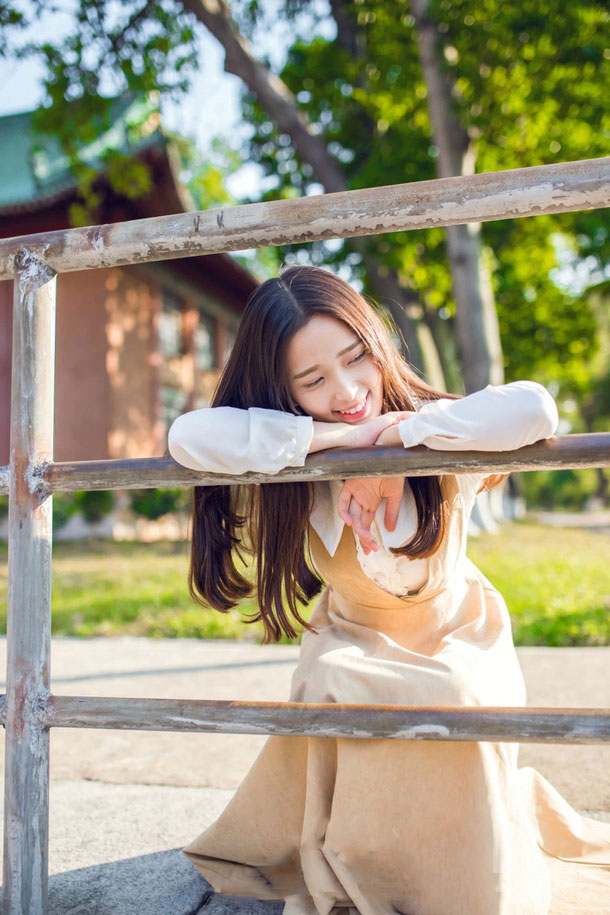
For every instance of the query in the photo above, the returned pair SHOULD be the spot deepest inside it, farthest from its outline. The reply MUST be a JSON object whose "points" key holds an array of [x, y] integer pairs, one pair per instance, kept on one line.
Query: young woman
{"points": [[378, 826]]}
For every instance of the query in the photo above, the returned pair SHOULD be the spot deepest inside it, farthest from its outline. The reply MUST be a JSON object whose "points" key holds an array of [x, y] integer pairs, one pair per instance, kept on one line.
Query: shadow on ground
{"points": [[163, 883]]}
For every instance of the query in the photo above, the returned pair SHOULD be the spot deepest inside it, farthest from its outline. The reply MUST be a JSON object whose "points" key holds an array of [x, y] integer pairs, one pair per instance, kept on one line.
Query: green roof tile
{"points": [[33, 166]]}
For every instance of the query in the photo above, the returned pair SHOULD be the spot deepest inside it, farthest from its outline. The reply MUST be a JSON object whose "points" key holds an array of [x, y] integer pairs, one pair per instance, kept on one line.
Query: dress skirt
{"points": [[426, 827]]}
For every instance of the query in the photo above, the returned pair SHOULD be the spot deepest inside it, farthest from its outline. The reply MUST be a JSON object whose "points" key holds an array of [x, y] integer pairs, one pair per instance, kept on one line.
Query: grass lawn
{"points": [[556, 582]]}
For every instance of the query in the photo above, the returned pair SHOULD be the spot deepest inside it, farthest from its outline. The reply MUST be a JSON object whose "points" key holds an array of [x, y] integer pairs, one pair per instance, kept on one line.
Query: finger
{"points": [[362, 524], [399, 415], [392, 509], [362, 527], [343, 504]]}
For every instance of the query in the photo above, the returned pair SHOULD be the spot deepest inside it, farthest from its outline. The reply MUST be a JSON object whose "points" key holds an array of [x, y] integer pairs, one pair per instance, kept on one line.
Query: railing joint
{"points": [[31, 268], [35, 478]]}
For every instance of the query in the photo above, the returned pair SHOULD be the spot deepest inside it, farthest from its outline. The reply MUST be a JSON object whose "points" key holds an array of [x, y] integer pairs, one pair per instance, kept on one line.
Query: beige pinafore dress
{"points": [[403, 826]]}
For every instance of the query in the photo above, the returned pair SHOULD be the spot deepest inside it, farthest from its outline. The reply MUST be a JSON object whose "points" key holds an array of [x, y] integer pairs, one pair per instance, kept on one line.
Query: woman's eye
{"points": [[312, 384], [358, 357]]}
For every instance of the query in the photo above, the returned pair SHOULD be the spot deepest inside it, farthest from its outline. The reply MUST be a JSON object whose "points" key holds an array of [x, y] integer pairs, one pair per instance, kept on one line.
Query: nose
{"points": [[346, 391]]}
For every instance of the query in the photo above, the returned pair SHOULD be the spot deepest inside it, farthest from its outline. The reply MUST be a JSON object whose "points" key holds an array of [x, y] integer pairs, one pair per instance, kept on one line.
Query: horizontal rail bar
{"points": [[522, 725], [588, 450], [507, 194]]}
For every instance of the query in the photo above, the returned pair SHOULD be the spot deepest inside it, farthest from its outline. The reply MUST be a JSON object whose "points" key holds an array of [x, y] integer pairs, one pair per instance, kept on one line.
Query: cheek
{"points": [[376, 381], [305, 399], [315, 404], [377, 388]]}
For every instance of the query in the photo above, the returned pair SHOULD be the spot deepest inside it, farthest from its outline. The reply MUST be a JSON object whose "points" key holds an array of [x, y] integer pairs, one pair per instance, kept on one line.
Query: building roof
{"points": [[37, 185], [34, 169]]}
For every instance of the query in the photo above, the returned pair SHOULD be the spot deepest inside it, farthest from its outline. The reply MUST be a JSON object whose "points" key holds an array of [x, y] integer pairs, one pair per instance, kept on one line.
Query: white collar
{"points": [[324, 517]]}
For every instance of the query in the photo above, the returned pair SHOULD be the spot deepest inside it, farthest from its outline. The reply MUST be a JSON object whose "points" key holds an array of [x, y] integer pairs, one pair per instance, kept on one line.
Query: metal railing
{"points": [[29, 710]]}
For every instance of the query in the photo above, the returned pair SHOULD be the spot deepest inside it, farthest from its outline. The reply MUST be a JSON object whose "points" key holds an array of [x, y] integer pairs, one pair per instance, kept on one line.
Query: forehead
{"points": [[318, 341]]}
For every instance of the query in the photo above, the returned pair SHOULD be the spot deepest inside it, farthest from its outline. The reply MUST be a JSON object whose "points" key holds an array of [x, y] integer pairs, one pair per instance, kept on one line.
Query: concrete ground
{"points": [[123, 803]]}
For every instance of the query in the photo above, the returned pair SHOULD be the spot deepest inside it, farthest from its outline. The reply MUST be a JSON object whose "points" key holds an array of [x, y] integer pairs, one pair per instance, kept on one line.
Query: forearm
{"points": [[329, 435], [390, 437], [350, 435]]}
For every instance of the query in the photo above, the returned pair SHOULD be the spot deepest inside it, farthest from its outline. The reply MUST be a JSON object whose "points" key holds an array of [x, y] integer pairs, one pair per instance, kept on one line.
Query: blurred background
{"points": [[112, 111]]}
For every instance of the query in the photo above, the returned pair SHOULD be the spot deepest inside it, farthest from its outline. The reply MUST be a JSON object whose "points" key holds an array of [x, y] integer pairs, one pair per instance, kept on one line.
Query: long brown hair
{"points": [[270, 522]]}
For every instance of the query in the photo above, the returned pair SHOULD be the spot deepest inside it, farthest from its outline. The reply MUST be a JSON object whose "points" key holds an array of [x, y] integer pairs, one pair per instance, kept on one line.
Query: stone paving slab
{"points": [[116, 849], [159, 884]]}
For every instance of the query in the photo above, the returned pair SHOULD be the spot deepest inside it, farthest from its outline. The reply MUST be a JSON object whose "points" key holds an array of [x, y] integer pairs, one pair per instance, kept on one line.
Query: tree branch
{"points": [[278, 101], [271, 92], [117, 39]]}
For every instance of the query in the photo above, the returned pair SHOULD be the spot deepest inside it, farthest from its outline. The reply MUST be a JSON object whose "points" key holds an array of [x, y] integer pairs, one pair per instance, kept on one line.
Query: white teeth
{"points": [[355, 409]]}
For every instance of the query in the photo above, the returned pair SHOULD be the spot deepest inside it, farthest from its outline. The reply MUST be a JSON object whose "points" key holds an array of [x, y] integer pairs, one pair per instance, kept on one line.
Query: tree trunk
{"points": [[407, 313], [273, 95], [443, 334], [477, 320]]}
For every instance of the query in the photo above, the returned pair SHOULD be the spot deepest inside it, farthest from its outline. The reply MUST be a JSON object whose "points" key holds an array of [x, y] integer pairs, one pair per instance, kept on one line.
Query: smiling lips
{"points": [[356, 412]]}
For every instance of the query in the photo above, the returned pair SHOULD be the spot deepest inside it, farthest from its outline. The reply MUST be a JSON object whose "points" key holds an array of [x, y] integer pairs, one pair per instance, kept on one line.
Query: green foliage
{"points": [[3, 507], [153, 503], [547, 333], [529, 89], [93, 506], [64, 506], [114, 51], [529, 83], [11, 20], [555, 582], [206, 178], [553, 489]]}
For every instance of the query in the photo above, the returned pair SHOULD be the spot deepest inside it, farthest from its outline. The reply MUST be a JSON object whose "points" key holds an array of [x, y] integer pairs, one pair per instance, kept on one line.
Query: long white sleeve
{"points": [[229, 440], [497, 418]]}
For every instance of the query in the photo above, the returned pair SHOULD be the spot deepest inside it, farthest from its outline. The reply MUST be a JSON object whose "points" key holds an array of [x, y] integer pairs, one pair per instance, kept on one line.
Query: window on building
{"points": [[205, 343], [231, 333], [173, 403], [170, 326]]}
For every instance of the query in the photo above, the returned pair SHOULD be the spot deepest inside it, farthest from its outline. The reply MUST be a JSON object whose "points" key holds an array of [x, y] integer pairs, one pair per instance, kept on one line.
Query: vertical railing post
{"points": [[26, 817]]}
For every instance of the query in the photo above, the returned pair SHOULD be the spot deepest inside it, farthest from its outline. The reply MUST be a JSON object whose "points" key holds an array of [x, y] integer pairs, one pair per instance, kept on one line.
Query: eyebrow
{"points": [[317, 366]]}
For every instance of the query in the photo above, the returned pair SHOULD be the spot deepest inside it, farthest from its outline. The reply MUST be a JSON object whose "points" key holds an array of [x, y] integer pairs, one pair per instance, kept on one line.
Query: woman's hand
{"points": [[358, 435], [494, 480], [359, 499], [390, 435]]}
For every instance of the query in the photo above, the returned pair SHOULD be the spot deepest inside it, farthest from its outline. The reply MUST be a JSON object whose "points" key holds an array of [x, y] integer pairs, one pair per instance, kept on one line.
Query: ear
{"points": [[494, 480]]}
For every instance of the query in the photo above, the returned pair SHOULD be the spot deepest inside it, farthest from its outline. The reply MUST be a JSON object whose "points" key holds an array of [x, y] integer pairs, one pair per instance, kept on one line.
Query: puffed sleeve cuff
{"points": [[303, 434], [233, 441], [497, 418]]}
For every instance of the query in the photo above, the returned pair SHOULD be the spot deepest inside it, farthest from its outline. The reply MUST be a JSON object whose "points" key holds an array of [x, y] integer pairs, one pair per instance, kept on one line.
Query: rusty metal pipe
{"points": [[26, 786], [509, 194]]}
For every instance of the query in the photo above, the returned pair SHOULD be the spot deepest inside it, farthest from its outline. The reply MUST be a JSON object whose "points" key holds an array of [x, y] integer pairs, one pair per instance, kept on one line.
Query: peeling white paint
{"points": [[177, 720], [421, 731], [97, 242]]}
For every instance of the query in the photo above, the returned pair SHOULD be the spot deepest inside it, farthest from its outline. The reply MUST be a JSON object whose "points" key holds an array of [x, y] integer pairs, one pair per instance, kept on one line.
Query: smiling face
{"points": [[331, 373]]}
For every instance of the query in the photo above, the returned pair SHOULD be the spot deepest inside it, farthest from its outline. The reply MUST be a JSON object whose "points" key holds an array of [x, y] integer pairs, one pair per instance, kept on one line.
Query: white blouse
{"points": [[497, 418]]}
